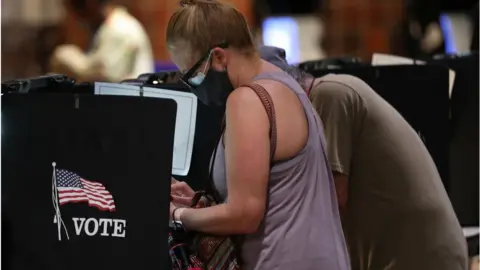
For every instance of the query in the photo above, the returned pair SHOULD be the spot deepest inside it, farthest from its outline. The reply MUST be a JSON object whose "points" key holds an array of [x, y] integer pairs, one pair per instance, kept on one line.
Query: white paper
{"points": [[470, 231], [184, 126], [184, 123], [116, 89], [380, 59]]}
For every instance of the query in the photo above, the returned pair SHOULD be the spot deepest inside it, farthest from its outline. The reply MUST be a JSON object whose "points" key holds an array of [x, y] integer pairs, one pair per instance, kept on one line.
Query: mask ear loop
{"points": [[204, 72], [207, 62]]}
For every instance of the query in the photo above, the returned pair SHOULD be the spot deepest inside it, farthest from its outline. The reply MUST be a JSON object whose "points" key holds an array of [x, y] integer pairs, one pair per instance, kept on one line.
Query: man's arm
{"points": [[341, 110], [247, 150]]}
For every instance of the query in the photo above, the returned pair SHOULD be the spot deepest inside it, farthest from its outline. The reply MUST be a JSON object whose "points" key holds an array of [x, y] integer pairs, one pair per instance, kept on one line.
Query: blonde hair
{"points": [[203, 24]]}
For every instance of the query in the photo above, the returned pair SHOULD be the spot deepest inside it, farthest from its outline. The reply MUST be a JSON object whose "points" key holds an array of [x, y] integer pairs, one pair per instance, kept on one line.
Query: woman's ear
{"points": [[219, 59]]}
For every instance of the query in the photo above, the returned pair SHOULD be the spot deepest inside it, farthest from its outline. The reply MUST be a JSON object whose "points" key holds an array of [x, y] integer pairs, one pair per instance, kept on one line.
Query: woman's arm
{"points": [[247, 156]]}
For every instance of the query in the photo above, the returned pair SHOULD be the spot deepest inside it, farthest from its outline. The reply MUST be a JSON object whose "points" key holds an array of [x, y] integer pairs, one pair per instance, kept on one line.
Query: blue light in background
{"points": [[282, 32], [448, 35]]}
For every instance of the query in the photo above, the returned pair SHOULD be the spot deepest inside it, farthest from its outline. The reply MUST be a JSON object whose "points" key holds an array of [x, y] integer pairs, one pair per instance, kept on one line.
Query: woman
{"points": [[287, 213]]}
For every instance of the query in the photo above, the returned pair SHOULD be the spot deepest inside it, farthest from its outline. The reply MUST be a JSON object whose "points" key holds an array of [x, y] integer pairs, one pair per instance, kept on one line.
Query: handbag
{"points": [[196, 250]]}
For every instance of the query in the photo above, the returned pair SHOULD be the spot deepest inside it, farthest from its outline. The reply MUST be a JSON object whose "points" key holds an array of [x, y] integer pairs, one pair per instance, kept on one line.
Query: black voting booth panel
{"points": [[207, 132], [420, 94], [464, 145], [51, 83], [207, 127], [109, 140]]}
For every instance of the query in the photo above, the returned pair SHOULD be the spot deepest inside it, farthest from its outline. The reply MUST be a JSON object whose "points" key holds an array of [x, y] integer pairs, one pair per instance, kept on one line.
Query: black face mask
{"points": [[214, 89]]}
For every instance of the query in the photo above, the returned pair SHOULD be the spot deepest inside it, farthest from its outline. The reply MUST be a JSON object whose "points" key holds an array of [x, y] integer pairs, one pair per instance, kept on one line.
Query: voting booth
{"points": [[464, 123], [86, 180]]}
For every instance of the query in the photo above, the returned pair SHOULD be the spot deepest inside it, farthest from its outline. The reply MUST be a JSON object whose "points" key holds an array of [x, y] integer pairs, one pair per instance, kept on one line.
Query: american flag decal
{"points": [[74, 189]]}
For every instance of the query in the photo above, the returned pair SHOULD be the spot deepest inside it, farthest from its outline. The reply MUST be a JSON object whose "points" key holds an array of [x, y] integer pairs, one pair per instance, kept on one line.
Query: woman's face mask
{"points": [[212, 87]]}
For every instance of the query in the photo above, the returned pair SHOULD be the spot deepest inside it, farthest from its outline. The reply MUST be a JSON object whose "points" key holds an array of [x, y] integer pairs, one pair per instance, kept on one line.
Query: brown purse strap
{"points": [[269, 107]]}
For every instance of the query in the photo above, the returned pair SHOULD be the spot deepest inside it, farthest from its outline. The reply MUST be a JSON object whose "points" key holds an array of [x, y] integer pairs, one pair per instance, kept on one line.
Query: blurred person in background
{"points": [[422, 32], [395, 211], [120, 48]]}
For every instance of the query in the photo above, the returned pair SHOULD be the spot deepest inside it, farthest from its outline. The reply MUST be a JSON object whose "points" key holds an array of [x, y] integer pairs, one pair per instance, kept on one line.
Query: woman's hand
{"points": [[178, 212], [182, 194]]}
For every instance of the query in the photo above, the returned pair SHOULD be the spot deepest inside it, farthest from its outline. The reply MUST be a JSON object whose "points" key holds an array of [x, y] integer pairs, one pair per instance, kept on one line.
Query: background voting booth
{"points": [[86, 181], [463, 154]]}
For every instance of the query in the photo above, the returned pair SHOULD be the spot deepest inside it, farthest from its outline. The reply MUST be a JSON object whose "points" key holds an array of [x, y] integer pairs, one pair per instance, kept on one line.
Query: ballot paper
{"points": [[380, 59], [184, 124]]}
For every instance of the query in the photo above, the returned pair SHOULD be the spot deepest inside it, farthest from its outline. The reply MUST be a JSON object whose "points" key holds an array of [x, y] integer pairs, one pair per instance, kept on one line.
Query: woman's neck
{"points": [[249, 68]]}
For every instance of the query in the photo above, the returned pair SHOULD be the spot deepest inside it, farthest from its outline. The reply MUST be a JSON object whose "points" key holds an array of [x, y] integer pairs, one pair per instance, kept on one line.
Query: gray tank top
{"points": [[301, 229]]}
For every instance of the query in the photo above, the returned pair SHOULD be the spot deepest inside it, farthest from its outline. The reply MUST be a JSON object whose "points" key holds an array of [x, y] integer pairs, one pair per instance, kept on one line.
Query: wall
{"points": [[30, 31], [361, 27]]}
